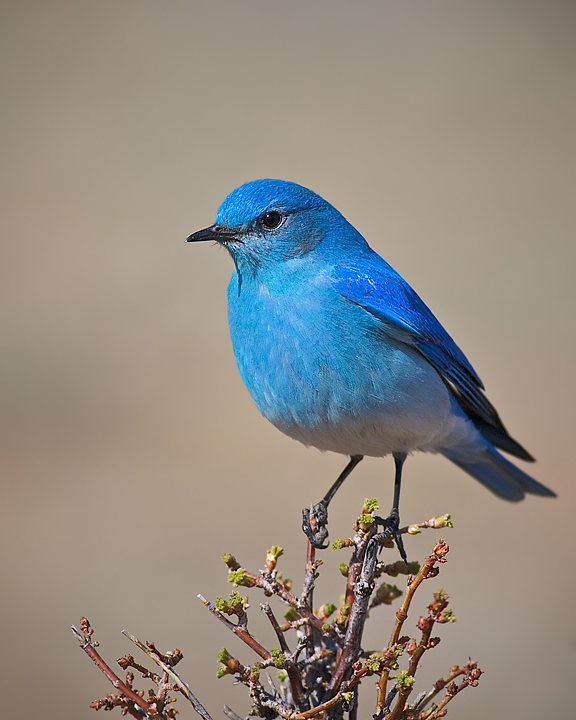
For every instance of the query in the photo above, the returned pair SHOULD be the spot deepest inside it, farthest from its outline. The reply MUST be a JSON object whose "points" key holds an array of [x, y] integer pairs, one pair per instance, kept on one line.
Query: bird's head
{"points": [[264, 222]]}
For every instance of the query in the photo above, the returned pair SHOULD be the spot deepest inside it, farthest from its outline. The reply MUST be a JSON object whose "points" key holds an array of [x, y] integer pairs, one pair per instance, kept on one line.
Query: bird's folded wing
{"points": [[377, 288]]}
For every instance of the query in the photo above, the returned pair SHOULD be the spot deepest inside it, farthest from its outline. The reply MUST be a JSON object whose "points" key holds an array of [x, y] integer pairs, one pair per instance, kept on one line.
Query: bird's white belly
{"points": [[380, 437]]}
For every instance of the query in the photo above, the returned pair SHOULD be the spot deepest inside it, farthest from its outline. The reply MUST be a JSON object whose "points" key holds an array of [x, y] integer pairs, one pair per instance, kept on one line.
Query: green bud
{"points": [[275, 551], [343, 613], [224, 656], [338, 544], [387, 593], [237, 576], [414, 530], [443, 521], [373, 662], [237, 599], [366, 519], [278, 658], [327, 609], [281, 675], [404, 679], [221, 604], [370, 505], [291, 615], [343, 567], [447, 616]]}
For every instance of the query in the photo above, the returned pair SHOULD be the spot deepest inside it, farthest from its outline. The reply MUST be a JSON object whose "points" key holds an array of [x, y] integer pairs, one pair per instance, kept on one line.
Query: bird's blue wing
{"points": [[373, 285]]}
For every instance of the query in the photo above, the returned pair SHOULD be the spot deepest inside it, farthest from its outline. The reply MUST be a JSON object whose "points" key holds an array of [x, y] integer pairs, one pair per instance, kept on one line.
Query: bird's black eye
{"points": [[271, 220]]}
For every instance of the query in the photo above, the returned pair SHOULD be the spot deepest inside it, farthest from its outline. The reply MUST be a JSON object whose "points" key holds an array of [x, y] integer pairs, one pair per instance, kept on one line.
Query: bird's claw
{"points": [[391, 526], [314, 522]]}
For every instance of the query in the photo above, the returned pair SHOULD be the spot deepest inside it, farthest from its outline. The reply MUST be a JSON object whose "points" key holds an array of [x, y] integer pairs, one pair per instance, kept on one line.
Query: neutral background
{"points": [[132, 455]]}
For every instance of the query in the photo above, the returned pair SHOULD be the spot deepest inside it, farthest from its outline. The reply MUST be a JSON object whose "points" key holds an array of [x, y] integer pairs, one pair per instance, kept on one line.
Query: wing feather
{"points": [[376, 287]]}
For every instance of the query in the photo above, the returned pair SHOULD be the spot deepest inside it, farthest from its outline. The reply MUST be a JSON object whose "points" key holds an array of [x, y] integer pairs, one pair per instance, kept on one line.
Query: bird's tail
{"points": [[499, 475]]}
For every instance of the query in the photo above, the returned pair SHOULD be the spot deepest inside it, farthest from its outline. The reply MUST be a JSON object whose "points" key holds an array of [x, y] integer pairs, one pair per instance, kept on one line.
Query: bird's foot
{"points": [[314, 524], [391, 530]]}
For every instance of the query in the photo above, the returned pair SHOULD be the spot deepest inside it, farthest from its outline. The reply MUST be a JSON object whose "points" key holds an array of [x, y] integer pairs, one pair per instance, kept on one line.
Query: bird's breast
{"points": [[322, 371]]}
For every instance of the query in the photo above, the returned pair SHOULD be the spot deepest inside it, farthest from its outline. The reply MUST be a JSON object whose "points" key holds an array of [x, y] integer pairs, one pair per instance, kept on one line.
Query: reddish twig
{"points": [[165, 662], [427, 570], [439, 685], [238, 630], [90, 650], [471, 677]]}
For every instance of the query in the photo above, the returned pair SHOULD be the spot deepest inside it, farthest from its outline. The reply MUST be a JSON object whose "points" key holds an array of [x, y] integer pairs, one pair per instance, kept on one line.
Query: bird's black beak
{"points": [[218, 233]]}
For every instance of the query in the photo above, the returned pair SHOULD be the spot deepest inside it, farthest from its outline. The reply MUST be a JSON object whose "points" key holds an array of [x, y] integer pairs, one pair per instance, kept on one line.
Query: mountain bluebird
{"points": [[338, 352]]}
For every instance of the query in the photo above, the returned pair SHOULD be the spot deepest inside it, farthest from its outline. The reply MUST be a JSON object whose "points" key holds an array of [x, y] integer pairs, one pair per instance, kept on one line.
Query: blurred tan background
{"points": [[132, 455]]}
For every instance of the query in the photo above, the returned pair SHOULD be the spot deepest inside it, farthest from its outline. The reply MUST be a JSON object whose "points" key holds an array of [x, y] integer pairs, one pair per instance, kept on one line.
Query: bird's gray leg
{"points": [[395, 512], [392, 522], [318, 514]]}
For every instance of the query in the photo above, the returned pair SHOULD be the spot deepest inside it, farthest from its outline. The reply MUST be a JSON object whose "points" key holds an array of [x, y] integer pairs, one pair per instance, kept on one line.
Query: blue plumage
{"points": [[339, 352]]}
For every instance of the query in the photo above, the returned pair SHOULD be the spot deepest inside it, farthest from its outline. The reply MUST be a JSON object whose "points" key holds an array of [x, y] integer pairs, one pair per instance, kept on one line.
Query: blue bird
{"points": [[338, 352]]}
